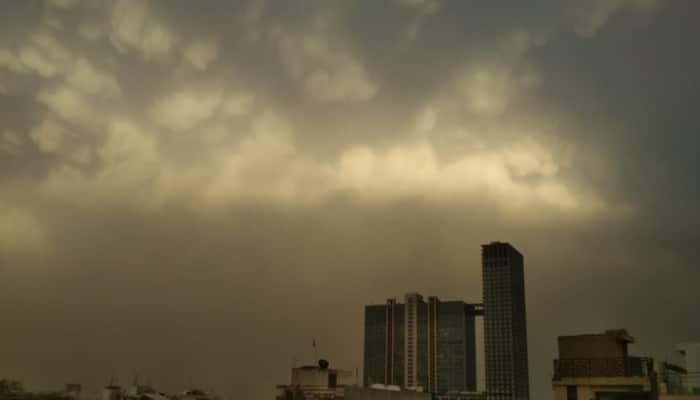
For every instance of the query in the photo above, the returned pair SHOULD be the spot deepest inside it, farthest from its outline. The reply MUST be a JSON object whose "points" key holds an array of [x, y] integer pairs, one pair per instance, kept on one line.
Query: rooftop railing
{"points": [[602, 367]]}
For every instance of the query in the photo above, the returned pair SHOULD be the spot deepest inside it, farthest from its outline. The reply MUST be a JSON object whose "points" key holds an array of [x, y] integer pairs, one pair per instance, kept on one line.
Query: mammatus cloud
{"points": [[324, 71], [134, 28], [424, 9], [183, 111], [42, 54], [71, 105], [87, 78], [254, 152], [63, 3], [53, 137], [10, 142], [200, 53], [589, 17]]}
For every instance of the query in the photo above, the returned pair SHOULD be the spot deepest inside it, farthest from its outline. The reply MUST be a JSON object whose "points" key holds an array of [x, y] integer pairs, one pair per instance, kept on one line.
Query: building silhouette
{"points": [[424, 345], [505, 328]]}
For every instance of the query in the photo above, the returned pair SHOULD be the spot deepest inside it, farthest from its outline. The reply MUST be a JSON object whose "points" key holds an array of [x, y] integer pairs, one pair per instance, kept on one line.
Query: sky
{"points": [[191, 192]]}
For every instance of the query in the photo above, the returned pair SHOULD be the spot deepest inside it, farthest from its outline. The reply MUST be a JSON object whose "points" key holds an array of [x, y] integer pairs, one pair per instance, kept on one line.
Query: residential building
{"points": [[505, 322], [421, 345], [598, 366]]}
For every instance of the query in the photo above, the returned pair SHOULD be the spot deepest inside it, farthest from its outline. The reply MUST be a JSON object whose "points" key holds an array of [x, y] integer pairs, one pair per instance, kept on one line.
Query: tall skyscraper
{"points": [[421, 344], [505, 329]]}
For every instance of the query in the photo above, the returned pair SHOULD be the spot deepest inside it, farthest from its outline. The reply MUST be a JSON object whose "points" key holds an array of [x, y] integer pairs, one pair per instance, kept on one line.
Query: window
{"points": [[571, 393]]}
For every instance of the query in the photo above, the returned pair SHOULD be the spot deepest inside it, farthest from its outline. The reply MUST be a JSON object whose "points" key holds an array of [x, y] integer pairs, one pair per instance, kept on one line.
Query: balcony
{"points": [[602, 367]]}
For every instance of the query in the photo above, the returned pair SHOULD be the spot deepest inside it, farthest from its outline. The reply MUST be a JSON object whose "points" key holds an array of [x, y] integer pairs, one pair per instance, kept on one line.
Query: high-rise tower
{"points": [[505, 328]]}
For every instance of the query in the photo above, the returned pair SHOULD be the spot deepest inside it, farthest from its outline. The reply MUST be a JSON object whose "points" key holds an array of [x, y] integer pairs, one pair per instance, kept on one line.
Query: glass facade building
{"points": [[505, 329], [429, 344]]}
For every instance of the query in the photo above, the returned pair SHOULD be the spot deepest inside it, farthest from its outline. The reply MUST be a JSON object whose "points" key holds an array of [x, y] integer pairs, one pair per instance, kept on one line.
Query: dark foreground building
{"points": [[505, 329], [418, 344]]}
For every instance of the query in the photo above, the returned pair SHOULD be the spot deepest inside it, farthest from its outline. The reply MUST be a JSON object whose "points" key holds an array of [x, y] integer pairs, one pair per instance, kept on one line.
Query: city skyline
{"points": [[193, 193]]}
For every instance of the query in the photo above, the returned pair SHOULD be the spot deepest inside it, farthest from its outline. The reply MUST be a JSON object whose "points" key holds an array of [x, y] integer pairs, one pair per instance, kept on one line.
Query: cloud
{"points": [[37, 62], [590, 16], [267, 167], [133, 27], [10, 142], [53, 137], [43, 54], [63, 3], [200, 53], [158, 42], [424, 8], [128, 21], [86, 78], [92, 30], [20, 230], [496, 175], [488, 89], [426, 120], [324, 71], [184, 110], [11, 62], [50, 136], [71, 106], [131, 167], [238, 104]]}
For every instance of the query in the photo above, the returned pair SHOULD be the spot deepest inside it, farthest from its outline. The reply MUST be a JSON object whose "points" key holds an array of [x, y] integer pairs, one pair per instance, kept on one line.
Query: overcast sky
{"points": [[191, 191]]}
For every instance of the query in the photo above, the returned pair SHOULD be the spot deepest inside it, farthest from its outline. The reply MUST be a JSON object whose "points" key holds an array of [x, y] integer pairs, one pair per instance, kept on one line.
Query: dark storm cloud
{"points": [[192, 193]]}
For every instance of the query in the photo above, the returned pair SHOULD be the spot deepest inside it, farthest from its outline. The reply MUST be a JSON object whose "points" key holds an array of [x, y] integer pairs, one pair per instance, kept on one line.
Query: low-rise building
{"points": [[318, 382], [691, 354], [599, 367]]}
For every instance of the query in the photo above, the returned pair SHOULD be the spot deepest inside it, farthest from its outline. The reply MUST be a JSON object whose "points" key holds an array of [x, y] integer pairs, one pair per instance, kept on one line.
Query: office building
{"points": [[421, 345], [505, 328]]}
